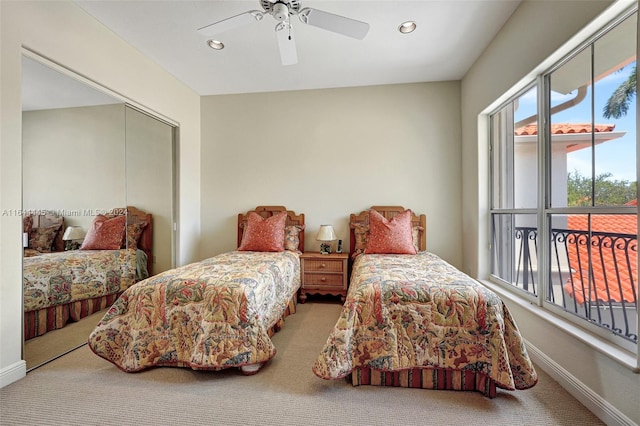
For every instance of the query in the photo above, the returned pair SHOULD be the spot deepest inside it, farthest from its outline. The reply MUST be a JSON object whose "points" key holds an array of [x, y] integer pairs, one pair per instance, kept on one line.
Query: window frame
{"points": [[592, 334]]}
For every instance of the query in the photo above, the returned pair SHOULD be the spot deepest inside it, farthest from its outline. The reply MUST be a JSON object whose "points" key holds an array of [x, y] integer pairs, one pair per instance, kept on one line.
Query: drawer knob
{"points": [[323, 265], [323, 279]]}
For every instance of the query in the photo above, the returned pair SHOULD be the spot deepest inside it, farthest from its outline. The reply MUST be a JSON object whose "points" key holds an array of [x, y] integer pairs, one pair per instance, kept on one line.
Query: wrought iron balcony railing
{"points": [[592, 275]]}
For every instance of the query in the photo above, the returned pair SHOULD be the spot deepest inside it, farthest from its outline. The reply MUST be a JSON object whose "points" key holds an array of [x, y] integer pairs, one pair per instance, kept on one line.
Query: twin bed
{"points": [[215, 314], [410, 319], [62, 286]]}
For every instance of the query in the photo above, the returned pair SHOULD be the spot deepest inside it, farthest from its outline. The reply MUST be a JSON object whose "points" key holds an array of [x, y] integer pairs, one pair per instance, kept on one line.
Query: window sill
{"points": [[620, 355]]}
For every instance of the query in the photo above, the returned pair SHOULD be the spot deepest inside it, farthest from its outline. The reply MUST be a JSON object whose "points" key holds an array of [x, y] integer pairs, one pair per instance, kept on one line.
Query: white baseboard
{"points": [[594, 402], [13, 373]]}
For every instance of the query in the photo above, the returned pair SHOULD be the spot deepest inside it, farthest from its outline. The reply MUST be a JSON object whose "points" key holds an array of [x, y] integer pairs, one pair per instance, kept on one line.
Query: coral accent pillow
{"points": [[392, 236], [361, 234], [264, 234], [105, 233]]}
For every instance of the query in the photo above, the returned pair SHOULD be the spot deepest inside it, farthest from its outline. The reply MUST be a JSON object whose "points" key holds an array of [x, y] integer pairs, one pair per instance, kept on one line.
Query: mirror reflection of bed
{"points": [[86, 155], [63, 286]]}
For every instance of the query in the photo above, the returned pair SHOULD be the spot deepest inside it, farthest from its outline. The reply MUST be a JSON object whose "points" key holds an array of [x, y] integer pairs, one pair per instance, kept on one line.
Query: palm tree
{"points": [[618, 103]]}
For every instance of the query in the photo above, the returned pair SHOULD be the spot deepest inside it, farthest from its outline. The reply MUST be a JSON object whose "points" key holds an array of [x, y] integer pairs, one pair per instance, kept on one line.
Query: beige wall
{"points": [[74, 161], [64, 33], [328, 153], [87, 160], [532, 34]]}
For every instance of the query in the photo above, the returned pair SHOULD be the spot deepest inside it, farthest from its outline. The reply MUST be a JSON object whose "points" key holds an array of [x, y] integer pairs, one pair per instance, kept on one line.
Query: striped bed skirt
{"points": [[37, 323], [426, 378]]}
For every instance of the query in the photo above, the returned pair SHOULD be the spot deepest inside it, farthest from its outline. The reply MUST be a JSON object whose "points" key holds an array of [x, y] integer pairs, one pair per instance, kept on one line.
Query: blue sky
{"points": [[617, 156]]}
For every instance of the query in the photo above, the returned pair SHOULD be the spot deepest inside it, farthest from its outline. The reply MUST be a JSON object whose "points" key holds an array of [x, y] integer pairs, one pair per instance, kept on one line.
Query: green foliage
{"points": [[619, 102], [607, 192]]}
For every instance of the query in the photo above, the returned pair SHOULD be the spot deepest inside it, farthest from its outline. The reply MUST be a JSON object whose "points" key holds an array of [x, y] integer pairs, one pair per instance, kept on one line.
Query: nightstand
{"points": [[323, 274]]}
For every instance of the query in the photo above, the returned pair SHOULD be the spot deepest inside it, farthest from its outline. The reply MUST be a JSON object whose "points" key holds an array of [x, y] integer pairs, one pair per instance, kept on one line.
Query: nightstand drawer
{"points": [[323, 280], [329, 265]]}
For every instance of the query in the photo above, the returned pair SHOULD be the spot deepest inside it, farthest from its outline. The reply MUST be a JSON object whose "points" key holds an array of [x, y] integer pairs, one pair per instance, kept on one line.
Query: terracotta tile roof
{"points": [[564, 128], [621, 283]]}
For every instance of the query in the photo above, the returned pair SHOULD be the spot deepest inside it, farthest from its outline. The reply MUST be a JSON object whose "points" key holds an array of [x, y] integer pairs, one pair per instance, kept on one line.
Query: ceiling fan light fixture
{"points": [[407, 27], [280, 12], [215, 44]]}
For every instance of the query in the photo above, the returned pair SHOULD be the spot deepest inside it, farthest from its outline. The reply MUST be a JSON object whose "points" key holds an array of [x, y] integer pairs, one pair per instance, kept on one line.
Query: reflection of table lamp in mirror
{"points": [[72, 237], [326, 235], [25, 239]]}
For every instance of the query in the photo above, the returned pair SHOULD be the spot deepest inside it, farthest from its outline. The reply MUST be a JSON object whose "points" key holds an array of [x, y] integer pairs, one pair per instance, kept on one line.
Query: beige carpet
{"points": [[83, 389], [42, 349]]}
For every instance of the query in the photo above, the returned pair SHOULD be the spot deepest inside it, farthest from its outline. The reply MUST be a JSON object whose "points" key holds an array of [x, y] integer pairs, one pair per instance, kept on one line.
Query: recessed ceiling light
{"points": [[407, 27], [215, 44]]}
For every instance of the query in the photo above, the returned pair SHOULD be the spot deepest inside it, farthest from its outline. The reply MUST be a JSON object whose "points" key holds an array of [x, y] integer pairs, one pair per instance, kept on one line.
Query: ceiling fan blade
{"points": [[231, 23], [286, 43], [336, 23]]}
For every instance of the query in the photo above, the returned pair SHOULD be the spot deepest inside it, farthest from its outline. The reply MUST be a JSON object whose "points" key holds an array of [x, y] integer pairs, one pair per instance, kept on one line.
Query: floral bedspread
{"points": [[411, 311], [212, 314], [52, 279]]}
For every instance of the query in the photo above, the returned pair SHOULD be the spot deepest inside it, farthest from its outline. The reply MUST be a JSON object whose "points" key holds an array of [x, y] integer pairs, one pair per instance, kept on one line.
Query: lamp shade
{"points": [[73, 233], [326, 233]]}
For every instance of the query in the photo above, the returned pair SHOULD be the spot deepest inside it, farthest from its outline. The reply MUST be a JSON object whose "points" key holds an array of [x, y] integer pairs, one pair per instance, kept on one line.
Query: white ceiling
{"points": [[450, 36]]}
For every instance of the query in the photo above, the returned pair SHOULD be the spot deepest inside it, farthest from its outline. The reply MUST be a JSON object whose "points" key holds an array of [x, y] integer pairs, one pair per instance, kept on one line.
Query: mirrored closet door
{"points": [[98, 205]]}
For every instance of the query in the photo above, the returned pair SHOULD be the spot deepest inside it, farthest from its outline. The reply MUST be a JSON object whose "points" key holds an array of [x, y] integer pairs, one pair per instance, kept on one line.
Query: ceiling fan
{"points": [[282, 10]]}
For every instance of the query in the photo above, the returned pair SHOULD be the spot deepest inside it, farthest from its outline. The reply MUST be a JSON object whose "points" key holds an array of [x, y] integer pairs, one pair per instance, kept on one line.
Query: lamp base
{"points": [[325, 248], [72, 245]]}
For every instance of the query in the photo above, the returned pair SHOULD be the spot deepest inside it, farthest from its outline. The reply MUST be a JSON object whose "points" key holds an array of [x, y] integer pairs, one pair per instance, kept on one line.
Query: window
{"points": [[515, 189], [563, 194]]}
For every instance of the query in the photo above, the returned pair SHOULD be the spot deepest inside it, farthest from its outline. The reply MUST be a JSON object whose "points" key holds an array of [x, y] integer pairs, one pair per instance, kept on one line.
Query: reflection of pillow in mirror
{"points": [[104, 233], [27, 223], [393, 236], [292, 237], [132, 237], [264, 234], [41, 239]]}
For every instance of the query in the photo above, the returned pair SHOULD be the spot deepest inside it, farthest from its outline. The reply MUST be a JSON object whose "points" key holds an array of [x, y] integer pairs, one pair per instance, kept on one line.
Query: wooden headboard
{"points": [[145, 243], [388, 212], [268, 211]]}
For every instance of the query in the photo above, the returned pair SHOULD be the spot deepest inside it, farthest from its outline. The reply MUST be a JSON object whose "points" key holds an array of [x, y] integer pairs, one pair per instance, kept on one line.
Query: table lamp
{"points": [[326, 235], [71, 236]]}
